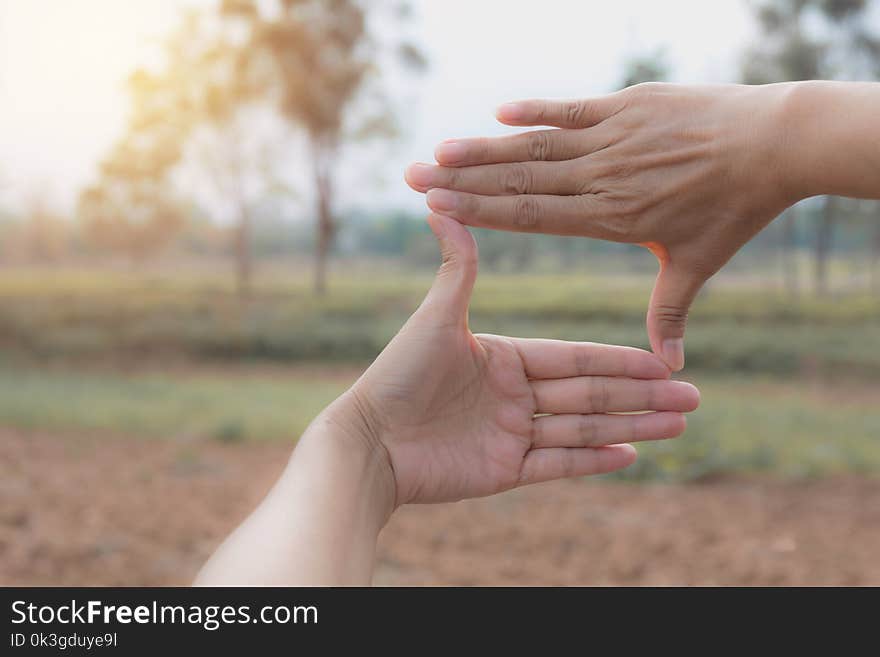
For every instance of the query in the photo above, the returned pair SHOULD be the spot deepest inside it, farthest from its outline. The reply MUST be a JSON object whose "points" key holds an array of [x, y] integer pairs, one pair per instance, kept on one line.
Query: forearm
{"points": [[319, 524], [833, 138]]}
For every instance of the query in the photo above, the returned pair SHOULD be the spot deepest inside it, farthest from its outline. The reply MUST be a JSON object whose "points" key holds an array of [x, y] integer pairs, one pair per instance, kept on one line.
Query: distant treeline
{"points": [[44, 237]]}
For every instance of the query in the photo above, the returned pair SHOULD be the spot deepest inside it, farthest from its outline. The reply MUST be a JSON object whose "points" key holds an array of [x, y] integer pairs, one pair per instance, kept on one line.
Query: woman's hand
{"points": [[462, 415], [691, 172]]}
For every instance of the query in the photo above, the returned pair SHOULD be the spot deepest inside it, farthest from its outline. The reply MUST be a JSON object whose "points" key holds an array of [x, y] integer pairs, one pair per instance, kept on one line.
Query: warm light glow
{"points": [[62, 69], [63, 63]]}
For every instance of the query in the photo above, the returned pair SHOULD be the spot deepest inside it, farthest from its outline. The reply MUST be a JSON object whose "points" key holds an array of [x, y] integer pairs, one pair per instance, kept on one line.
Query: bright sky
{"points": [[63, 63]]}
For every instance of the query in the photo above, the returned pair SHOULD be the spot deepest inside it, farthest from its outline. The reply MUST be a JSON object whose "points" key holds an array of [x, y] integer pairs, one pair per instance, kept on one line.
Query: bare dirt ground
{"points": [[89, 511]]}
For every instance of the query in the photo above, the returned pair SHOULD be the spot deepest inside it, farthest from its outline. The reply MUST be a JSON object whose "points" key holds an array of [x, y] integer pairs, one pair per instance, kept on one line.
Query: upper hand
{"points": [[462, 415], [692, 173]]}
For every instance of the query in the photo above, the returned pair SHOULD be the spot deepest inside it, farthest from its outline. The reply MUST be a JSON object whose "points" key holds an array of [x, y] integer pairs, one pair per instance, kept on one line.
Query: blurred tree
{"points": [[39, 233], [132, 209], [226, 146], [317, 59], [45, 233]]}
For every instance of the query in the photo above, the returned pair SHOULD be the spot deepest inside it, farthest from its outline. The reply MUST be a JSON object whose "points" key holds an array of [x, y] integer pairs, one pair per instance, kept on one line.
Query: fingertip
{"points": [[511, 113], [442, 201], [691, 396], [672, 353], [416, 175], [437, 224], [447, 228], [698, 398], [450, 152], [677, 424], [626, 454]]}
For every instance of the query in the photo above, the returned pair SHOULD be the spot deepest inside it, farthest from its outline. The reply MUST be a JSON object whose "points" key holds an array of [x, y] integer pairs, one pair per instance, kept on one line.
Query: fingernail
{"points": [[420, 174], [442, 200], [673, 353], [511, 111], [450, 152]]}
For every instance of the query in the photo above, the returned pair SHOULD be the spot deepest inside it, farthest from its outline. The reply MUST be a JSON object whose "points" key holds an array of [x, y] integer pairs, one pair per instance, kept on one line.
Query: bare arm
{"points": [[319, 523], [834, 139]]}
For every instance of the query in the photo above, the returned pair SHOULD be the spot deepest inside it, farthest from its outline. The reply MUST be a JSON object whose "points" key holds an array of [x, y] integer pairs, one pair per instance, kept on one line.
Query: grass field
{"points": [[789, 387], [84, 315]]}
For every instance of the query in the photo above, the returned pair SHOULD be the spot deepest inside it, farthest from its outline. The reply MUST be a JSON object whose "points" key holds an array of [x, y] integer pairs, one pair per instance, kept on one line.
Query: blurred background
{"points": [[205, 237]]}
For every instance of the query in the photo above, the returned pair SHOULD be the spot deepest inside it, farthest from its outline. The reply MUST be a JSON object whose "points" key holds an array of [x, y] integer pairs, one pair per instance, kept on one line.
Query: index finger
{"points": [[582, 113], [558, 359], [533, 146]]}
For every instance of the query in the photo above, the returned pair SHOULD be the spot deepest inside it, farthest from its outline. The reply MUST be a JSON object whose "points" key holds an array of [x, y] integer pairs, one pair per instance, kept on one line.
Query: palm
{"points": [[459, 414]]}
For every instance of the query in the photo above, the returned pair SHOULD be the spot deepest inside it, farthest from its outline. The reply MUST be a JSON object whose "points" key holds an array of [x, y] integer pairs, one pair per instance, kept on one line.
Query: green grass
{"points": [[227, 408], [757, 356], [745, 424], [741, 327], [789, 428]]}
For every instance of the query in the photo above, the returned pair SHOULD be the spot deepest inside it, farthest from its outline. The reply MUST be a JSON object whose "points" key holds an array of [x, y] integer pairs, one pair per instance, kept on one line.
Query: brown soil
{"points": [[83, 511]]}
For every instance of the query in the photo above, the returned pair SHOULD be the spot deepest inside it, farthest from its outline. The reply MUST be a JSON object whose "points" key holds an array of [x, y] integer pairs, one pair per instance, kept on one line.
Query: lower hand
{"points": [[460, 415]]}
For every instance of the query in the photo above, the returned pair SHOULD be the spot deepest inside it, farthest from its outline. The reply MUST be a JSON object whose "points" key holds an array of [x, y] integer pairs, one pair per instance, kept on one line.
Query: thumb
{"points": [[451, 292], [674, 291]]}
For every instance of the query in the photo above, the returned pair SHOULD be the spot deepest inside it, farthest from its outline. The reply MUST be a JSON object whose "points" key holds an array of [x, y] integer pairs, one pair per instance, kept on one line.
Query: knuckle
{"points": [[540, 112], [537, 432], [453, 178], [567, 469], [634, 424], [575, 112], [517, 179], [617, 170], [675, 316], [588, 431], [526, 213], [582, 175], [651, 394], [584, 361], [479, 150], [538, 145], [598, 395], [469, 205]]}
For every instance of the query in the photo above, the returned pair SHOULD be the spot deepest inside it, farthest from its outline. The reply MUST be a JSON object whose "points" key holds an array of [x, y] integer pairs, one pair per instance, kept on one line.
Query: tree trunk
{"points": [[326, 226], [789, 253], [824, 241], [243, 261]]}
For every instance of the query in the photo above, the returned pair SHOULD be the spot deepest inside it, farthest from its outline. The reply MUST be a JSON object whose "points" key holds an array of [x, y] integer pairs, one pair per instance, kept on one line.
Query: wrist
{"points": [[343, 441], [783, 110], [816, 156]]}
